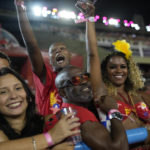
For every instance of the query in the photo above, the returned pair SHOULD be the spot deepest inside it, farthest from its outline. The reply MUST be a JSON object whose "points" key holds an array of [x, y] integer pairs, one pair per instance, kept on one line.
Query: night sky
{"points": [[109, 8], [124, 9], [113, 8]]}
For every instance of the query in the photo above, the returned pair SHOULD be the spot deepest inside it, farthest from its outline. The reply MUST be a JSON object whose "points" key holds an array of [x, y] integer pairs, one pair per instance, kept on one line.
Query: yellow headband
{"points": [[124, 47]]}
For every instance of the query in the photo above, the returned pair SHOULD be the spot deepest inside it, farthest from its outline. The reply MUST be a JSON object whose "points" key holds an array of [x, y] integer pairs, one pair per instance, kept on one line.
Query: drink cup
{"points": [[84, 5], [77, 137]]}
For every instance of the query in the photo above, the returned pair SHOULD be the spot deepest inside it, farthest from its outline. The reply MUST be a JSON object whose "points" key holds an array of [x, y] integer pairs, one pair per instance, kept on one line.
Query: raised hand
{"points": [[87, 8], [64, 128], [20, 3]]}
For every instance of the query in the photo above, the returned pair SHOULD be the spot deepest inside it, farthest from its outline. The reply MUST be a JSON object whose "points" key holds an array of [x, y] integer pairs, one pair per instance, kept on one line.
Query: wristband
{"points": [[114, 113], [48, 139], [91, 19]]}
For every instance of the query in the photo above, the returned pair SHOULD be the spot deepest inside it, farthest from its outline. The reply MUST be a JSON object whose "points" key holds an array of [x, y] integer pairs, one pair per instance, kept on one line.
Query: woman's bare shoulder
{"points": [[144, 97]]}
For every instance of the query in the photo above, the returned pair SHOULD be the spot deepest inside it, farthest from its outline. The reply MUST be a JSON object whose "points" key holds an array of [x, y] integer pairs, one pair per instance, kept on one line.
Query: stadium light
{"points": [[148, 28], [113, 21], [44, 12], [67, 14], [64, 14], [55, 10], [37, 10], [97, 17], [136, 26]]}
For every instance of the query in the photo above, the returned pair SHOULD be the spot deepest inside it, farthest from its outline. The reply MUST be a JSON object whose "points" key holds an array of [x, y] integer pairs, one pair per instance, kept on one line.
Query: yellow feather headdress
{"points": [[123, 46]]}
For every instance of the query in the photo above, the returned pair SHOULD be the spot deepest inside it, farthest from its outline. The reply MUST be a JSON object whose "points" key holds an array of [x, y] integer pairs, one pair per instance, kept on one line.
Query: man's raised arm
{"points": [[29, 39]]}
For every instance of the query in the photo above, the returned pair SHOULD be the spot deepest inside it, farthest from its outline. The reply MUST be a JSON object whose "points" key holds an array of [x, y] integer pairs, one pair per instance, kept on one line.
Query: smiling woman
{"points": [[123, 79], [12, 97], [119, 65], [18, 118], [16, 100]]}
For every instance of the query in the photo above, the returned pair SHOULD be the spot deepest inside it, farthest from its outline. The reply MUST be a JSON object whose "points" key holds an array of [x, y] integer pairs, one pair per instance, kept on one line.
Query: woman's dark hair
{"points": [[34, 122], [128, 83]]}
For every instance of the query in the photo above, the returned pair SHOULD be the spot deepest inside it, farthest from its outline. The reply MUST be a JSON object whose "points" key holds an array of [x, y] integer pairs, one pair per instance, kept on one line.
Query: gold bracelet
{"points": [[34, 143]]}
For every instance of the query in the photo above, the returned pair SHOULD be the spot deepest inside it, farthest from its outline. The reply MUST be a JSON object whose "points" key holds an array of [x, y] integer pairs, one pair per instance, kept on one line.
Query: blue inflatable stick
{"points": [[81, 146], [136, 135]]}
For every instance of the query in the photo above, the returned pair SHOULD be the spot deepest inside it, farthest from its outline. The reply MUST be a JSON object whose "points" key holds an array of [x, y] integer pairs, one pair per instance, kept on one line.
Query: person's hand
{"points": [[87, 9], [106, 103], [64, 128], [18, 2], [64, 146]]}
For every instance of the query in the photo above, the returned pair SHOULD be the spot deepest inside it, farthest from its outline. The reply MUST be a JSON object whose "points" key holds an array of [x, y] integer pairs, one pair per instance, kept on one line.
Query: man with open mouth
{"points": [[47, 99]]}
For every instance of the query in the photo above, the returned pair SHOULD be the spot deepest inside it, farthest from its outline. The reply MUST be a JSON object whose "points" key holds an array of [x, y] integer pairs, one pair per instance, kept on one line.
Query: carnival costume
{"points": [[126, 107]]}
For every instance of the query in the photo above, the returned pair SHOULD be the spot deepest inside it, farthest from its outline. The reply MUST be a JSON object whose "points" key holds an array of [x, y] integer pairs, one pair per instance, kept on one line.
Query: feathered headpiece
{"points": [[123, 46]]}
